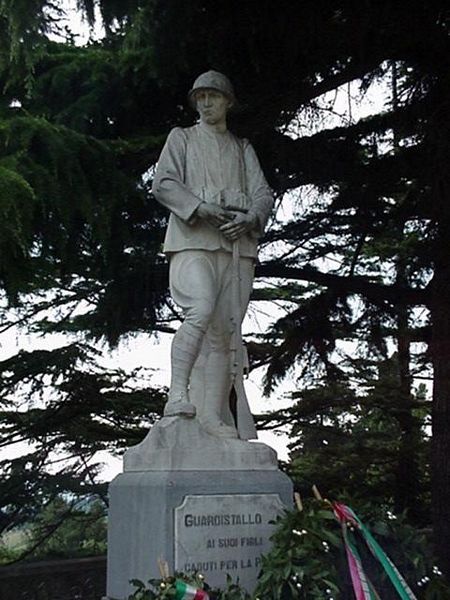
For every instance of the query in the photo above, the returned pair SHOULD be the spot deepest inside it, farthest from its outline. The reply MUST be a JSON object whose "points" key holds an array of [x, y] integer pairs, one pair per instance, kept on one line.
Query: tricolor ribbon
{"points": [[362, 586], [184, 591]]}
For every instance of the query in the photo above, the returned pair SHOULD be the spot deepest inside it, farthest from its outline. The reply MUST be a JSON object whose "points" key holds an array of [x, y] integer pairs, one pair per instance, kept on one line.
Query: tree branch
{"points": [[350, 284]]}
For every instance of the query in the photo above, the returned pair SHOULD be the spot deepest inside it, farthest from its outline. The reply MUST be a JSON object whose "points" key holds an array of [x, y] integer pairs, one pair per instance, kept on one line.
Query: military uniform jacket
{"points": [[197, 166]]}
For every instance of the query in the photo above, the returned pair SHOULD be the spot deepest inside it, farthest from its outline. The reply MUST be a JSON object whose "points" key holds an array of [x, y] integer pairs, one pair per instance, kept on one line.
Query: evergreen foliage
{"points": [[67, 529], [308, 560], [308, 557], [359, 259]]}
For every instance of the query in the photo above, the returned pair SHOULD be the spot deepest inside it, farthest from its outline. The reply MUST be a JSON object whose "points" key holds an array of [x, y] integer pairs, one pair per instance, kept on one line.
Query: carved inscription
{"points": [[221, 534]]}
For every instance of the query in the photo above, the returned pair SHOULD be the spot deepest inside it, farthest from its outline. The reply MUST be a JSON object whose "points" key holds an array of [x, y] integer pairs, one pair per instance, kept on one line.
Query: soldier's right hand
{"points": [[214, 214]]}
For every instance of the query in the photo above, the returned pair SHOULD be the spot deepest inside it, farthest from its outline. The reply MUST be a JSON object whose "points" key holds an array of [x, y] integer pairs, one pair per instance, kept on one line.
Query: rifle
{"points": [[245, 424]]}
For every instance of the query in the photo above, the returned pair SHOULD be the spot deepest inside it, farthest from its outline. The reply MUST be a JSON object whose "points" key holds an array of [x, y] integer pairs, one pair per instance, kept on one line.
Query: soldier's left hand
{"points": [[239, 226]]}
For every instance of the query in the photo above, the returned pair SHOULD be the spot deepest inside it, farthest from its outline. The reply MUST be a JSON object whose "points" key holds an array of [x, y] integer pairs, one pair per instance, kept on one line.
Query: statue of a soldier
{"points": [[219, 201]]}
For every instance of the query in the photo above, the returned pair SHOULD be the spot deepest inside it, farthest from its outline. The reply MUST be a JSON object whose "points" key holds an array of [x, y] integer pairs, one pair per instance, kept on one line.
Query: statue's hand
{"points": [[241, 224], [214, 214]]}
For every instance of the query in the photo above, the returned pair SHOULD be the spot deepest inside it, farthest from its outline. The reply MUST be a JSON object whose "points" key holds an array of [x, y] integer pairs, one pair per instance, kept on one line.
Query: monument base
{"points": [[181, 444], [198, 502], [215, 522]]}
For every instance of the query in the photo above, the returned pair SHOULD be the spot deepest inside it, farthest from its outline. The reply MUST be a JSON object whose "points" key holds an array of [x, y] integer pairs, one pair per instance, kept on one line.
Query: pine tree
{"points": [[366, 245]]}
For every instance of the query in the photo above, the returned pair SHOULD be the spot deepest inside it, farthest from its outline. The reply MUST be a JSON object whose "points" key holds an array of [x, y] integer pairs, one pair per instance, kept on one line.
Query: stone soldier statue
{"points": [[219, 201]]}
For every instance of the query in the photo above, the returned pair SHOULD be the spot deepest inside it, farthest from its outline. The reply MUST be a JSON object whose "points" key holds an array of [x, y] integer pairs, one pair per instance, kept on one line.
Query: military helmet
{"points": [[212, 80]]}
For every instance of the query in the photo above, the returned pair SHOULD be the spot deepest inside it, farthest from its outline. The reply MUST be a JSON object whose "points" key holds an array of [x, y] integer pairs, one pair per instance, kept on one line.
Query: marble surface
{"points": [[177, 443], [174, 514]]}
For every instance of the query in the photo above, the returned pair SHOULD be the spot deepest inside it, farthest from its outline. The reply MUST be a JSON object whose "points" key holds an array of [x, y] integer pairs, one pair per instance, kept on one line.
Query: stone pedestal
{"points": [[196, 501]]}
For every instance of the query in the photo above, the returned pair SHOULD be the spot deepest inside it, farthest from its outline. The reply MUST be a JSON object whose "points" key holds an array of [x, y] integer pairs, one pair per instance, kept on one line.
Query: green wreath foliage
{"points": [[308, 561]]}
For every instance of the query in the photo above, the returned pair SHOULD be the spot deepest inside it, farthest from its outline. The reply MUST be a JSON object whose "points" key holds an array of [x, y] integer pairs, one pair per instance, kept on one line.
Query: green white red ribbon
{"points": [[362, 586], [184, 591]]}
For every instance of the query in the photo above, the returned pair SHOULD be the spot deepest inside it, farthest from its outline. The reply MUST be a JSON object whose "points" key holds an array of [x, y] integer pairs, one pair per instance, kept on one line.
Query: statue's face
{"points": [[212, 106]]}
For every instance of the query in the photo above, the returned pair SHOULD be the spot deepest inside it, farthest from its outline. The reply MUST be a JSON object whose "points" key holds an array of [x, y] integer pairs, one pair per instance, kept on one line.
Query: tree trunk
{"points": [[407, 470], [406, 492], [439, 143], [440, 479], [441, 417]]}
